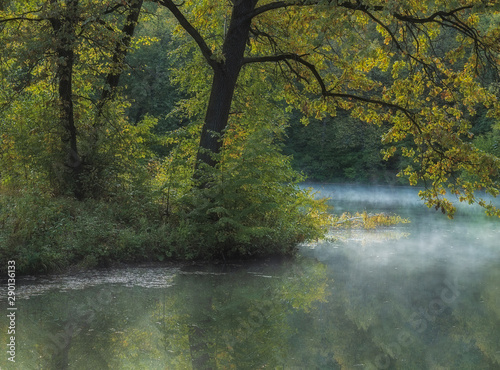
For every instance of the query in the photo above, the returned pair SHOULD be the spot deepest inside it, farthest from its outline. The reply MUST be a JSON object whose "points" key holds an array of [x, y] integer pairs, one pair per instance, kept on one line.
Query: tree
{"points": [[72, 34], [327, 53]]}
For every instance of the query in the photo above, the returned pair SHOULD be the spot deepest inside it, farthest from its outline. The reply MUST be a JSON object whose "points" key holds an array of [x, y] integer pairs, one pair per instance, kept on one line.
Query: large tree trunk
{"points": [[64, 31], [217, 115], [224, 81]]}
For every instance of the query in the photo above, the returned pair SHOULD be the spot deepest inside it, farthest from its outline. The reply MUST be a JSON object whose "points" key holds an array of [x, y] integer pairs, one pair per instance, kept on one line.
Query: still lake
{"points": [[423, 295]]}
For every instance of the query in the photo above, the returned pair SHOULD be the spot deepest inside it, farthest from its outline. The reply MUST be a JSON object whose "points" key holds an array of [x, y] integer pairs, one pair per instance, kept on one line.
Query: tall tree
{"points": [[64, 22], [72, 35], [328, 52]]}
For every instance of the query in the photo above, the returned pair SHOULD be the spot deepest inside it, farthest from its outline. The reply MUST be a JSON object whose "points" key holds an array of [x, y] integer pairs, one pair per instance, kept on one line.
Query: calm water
{"points": [[424, 295]]}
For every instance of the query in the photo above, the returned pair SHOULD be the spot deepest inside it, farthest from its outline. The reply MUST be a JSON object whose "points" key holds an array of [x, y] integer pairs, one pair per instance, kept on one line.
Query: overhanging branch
{"points": [[444, 18], [324, 91]]}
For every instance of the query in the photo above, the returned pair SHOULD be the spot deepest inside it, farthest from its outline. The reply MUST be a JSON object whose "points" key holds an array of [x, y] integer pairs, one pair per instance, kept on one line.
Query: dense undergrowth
{"points": [[44, 234], [50, 234], [252, 207]]}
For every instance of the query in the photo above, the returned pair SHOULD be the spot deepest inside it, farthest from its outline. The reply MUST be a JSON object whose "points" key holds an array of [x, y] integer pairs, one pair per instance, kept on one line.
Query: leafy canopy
{"points": [[425, 68]]}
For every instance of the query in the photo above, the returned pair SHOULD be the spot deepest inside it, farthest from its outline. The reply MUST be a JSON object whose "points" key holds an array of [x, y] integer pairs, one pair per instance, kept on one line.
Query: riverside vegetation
{"points": [[146, 130]]}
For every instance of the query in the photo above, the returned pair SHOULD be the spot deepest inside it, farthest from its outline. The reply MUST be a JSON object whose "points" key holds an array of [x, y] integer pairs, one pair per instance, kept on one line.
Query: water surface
{"points": [[423, 295]]}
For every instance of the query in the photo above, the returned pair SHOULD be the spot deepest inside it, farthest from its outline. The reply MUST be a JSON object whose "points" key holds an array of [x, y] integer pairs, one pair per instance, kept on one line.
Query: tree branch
{"points": [[361, 7], [193, 32], [22, 17], [114, 8], [324, 91], [274, 6], [120, 52]]}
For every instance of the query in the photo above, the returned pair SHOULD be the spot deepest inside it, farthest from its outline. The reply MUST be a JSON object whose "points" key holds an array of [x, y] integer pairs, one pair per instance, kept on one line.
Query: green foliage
{"points": [[148, 84], [489, 142], [241, 218], [366, 221], [46, 234], [115, 159], [251, 206], [131, 151], [338, 148], [111, 149], [28, 149]]}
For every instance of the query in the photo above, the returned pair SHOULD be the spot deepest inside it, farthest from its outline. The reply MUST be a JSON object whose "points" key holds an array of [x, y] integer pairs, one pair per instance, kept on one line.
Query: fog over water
{"points": [[433, 263], [458, 248], [420, 295]]}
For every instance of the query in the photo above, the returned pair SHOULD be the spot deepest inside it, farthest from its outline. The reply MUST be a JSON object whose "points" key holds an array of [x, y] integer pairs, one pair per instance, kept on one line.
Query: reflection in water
{"points": [[209, 317], [423, 295], [422, 298]]}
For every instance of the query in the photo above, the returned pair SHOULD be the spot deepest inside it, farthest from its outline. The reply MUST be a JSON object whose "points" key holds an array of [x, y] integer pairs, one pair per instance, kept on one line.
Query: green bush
{"points": [[250, 205], [48, 234]]}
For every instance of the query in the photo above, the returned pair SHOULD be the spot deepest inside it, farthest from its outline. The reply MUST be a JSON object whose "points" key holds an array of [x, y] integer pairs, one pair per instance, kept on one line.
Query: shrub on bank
{"points": [[47, 234]]}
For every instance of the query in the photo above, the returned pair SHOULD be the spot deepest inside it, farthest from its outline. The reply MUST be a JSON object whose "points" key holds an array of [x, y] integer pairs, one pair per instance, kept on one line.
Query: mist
{"points": [[406, 260]]}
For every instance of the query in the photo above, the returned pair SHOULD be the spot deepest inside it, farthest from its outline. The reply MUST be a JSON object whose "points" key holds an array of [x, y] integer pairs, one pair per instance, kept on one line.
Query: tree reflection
{"points": [[283, 315], [241, 320]]}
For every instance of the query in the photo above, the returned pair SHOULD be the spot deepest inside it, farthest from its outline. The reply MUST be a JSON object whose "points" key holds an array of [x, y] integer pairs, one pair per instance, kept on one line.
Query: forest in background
{"points": [[106, 154]]}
